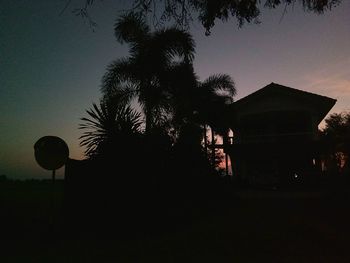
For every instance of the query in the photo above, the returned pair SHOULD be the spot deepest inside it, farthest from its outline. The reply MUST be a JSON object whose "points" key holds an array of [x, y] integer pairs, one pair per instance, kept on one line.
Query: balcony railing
{"points": [[273, 137]]}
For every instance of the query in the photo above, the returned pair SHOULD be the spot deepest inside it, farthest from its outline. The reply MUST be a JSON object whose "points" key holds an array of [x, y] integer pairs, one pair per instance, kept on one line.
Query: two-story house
{"points": [[276, 134]]}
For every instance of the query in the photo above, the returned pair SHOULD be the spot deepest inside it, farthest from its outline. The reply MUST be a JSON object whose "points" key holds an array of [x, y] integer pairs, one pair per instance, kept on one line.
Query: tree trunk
{"points": [[205, 140], [146, 88], [148, 124], [148, 115], [213, 147]]}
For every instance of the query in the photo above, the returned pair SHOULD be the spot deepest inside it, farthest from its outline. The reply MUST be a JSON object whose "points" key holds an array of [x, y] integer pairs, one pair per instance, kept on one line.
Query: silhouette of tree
{"points": [[214, 95], [145, 73], [109, 125], [336, 137], [207, 11], [159, 73], [197, 105]]}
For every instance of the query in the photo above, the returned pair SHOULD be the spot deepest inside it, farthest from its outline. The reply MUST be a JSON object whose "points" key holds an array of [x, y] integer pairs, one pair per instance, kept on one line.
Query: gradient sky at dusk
{"points": [[51, 66]]}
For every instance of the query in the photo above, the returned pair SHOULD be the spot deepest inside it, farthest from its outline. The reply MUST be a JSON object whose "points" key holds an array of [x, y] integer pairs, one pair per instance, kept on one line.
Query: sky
{"points": [[51, 66]]}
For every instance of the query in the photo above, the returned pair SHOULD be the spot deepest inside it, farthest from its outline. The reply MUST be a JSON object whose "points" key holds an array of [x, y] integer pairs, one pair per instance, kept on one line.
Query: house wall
{"points": [[261, 110], [274, 138]]}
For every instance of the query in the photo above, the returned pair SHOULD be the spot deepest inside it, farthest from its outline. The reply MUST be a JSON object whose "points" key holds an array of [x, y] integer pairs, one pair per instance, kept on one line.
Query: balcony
{"points": [[275, 138]]}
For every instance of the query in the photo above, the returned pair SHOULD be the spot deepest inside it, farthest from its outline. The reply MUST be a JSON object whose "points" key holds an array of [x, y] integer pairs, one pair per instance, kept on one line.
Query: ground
{"points": [[258, 225]]}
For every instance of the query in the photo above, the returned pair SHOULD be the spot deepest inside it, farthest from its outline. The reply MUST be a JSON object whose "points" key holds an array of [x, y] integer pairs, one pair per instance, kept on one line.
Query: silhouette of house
{"points": [[276, 134]]}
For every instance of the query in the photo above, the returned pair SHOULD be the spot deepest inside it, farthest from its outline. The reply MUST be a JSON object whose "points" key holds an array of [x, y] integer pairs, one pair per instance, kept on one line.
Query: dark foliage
{"points": [[181, 12], [130, 173], [147, 73], [109, 125], [336, 141]]}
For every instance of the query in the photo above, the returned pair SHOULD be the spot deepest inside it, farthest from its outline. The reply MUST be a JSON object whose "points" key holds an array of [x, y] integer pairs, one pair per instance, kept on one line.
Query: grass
{"points": [[256, 226]]}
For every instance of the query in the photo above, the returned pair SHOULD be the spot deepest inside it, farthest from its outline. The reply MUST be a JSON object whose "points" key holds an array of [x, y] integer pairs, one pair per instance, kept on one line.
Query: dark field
{"points": [[257, 225]]}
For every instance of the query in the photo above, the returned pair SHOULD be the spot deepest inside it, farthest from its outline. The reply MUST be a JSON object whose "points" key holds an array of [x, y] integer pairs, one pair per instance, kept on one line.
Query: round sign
{"points": [[51, 152]]}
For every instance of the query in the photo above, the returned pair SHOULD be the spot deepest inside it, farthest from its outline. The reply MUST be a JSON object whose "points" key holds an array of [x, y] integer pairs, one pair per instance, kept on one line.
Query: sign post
{"points": [[51, 153]]}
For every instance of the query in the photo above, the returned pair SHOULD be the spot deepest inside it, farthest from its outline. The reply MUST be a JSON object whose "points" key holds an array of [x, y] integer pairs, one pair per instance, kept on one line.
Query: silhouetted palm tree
{"points": [[216, 91], [197, 105], [145, 73], [213, 97], [198, 102], [107, 125]]}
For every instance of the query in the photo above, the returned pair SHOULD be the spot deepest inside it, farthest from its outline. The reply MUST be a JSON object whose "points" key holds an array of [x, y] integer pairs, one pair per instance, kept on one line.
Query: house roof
{"points": [[320, 104]]}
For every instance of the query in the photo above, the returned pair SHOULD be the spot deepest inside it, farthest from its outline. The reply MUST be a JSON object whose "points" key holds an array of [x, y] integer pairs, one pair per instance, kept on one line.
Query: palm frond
{"points": [[220, 82], [118, 72], [172, 42], [121, 96], [131, 28], [106, 124]]}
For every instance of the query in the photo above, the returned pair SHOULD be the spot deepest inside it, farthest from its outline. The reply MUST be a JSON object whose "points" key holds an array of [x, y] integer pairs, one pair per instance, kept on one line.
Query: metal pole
{"points": [[53, 200], [226, 164]]}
